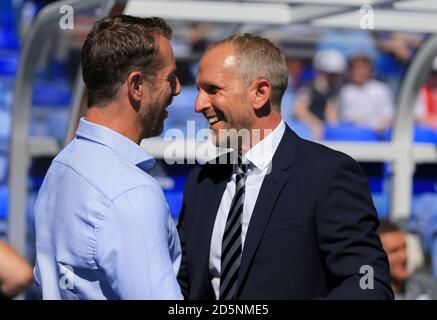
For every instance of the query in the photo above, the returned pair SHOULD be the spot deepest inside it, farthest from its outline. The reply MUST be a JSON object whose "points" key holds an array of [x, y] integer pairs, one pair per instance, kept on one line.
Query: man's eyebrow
{"points": [[209, 82]]}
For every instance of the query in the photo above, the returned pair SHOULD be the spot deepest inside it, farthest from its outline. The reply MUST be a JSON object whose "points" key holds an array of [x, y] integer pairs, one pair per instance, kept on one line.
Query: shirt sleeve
{"points": [[132, 246]]}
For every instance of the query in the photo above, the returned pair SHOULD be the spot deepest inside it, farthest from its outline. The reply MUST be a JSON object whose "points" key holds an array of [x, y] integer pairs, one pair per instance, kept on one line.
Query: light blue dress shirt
{"points": [[103, 229]]}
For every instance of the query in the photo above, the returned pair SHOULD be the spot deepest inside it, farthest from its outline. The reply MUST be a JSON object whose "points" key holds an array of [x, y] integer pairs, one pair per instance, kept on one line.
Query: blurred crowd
{"points": [[344, 86], [347, 92], [356, 87]]}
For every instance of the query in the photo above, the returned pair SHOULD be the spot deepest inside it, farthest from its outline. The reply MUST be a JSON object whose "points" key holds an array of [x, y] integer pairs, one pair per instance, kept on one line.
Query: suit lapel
{"points": [[270, 190], [207, 212]]}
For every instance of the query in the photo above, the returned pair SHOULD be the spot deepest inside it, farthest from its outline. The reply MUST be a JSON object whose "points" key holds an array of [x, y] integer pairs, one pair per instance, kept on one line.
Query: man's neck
{"points": [[115, 119], [259, 131]]}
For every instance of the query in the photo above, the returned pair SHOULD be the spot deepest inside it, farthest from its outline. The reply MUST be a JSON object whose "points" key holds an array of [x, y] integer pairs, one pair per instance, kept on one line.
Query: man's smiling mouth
{"points": [[213, 120]]}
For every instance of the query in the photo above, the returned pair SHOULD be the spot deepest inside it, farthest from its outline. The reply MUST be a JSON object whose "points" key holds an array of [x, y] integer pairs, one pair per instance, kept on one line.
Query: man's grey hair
{"points": [[257, 58]]}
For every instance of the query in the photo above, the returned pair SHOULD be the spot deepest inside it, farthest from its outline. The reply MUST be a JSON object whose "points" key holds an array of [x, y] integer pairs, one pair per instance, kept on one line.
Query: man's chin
{"points": [[222, 142], [218, 139], [153, 132]]}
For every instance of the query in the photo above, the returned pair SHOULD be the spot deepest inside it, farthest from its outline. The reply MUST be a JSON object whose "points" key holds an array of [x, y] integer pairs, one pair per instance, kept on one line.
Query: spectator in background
{"points": [[396, 50], [15, 272], [426, 104], [399, 44], [317, 102], [365, 101], [299, 71], [406, 286]]}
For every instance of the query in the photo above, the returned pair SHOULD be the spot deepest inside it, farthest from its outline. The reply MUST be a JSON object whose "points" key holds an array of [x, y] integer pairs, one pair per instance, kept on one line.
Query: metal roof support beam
{"points": [[403, 166], [385, 20], [417, 5], [348, 3], [229, 11]]}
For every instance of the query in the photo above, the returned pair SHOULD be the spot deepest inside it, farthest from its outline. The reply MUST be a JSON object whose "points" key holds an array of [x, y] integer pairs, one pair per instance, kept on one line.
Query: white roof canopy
{"points": [[389, 15]]}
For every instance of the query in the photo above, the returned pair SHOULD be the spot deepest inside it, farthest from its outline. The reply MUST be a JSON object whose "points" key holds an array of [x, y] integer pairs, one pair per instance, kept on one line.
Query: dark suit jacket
{"points": [[311, 231]]}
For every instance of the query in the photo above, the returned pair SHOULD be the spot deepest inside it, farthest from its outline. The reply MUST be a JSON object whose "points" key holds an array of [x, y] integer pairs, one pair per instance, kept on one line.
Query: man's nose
{"points": [[202, 102]]}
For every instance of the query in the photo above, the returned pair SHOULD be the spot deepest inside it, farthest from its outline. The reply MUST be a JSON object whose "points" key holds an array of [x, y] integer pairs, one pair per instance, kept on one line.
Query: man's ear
{"points": [[261, 91], [135, 85]]}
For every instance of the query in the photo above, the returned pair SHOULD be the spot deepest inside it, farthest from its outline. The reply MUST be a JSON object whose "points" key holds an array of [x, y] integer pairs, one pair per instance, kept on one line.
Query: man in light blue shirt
{"points": [[103, 230]]}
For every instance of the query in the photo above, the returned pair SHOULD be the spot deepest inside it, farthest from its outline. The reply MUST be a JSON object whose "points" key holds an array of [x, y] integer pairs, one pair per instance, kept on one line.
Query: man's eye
{"points": [[212, 89]]}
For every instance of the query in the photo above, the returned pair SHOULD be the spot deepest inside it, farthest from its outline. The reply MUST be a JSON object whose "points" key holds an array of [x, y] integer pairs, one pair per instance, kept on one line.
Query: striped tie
{"points": [[231, 242]]}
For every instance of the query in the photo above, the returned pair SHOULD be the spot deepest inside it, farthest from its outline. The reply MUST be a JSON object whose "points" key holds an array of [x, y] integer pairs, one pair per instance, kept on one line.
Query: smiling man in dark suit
{"points": [[289, 219]]}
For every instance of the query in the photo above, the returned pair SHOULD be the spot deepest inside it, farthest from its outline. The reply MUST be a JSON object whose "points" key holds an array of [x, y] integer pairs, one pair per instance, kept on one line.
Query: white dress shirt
{"points": [[370, 103], [260, 157]]}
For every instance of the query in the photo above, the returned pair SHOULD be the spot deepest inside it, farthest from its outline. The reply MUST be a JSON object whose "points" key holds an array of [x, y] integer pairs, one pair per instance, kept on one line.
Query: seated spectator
{"points": [[396, 49], [316, 103], [405, 285], [15, 272], [300, 72], [426, 104], [365, 101]]}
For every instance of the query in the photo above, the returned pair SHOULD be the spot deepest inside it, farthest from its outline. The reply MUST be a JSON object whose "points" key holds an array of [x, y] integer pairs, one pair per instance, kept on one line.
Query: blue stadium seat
{"points": [[7, 11], [175, 194], [9, 61], [421, 134], [51, 93], [3, 202], [9, 39], [349, 132], [425, 134], [174, 199], [8, 25], [381, 202], [5, 123]]}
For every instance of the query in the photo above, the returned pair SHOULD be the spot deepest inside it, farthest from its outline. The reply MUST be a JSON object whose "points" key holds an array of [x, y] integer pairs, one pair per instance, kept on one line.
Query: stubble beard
{"points": [[231, 138], [152, 124]]}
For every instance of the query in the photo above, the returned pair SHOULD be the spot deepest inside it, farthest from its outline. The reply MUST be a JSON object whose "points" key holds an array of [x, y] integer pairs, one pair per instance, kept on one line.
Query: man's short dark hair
{"points": [[360, 58], [386, 226], [115, 47]]}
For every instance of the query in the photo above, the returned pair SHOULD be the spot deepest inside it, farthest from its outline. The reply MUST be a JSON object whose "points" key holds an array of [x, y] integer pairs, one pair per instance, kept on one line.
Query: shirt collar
{"points": [[122, 145], [262, 153]]}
